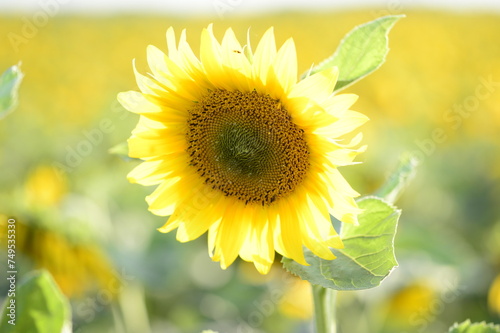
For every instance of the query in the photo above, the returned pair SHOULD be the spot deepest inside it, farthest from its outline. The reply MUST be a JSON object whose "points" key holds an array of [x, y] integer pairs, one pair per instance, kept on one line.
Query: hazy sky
{"points": [[213, 7]]}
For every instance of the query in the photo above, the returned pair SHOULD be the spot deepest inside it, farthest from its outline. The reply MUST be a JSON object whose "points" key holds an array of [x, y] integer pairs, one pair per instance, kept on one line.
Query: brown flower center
{"points": [[246, 145]]}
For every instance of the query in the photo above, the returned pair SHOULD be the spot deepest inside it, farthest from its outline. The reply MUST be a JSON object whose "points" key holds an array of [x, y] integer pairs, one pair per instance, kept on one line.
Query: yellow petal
{"points": [[211, 58], [190, 63], [311, 236], [212, 236], [150, 172], [232, 231], [167, 144], [232, 54], [171, 44], [135, 102], [156, 62], [195, 221], [263, 267], [349, 122], [163, 200], [338, 183], [285, 65], [318, 86], [258, 246], [345, 208], [341, 157], [264, 56], [170, 225], [146, 84], [290, 233], [338, 104]]}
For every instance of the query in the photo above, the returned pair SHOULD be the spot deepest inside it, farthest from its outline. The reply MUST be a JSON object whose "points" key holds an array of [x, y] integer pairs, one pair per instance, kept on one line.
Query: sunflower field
{"points": [[77, 217]]}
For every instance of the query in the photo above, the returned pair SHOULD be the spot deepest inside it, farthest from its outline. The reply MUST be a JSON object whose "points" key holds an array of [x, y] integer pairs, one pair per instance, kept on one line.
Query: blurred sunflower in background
{"points": [[46, 239], [241, 149], [494, 295], [297, 301], [78, 268], [407, 304]]}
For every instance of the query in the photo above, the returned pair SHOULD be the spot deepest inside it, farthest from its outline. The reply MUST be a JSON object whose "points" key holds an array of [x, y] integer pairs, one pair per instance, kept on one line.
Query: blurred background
{"points": [[437, 96]]}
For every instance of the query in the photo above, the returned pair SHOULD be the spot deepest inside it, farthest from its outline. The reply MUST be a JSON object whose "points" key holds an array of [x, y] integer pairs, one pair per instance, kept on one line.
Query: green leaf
{"points": [[467, 327], [368, 256], [119, 149], [36, 306], [362, 51], [9, 85], [399, 178]]}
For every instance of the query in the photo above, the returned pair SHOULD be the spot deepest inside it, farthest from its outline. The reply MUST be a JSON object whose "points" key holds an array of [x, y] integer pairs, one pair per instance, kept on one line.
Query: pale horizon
{"points": [[214, 7]]}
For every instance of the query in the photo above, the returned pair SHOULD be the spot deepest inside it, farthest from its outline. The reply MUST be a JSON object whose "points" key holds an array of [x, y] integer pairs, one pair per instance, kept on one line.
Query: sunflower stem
{"points": [[324, 309]]}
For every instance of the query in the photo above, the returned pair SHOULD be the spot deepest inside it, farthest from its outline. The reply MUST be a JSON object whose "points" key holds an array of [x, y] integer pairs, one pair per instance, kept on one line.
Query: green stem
{"points": [[324, 309]]}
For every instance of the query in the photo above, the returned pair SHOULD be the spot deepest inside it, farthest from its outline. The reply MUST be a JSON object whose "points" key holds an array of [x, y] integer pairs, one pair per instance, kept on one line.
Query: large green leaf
{"points": [[36, 306], [368, 256], [362, 51], [468, 327], [9, 85]]}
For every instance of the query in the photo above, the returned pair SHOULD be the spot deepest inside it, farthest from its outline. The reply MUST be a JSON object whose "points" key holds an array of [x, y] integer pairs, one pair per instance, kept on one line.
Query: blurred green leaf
{"points": [[368, 256], [468, 327], [9, 85], [362, 51], [398, 179], [37, 306], [121, 150]]}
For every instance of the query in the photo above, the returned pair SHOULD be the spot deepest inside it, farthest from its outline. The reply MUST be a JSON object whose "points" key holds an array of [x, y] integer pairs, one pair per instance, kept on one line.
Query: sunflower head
{"points": [[240, 148]]}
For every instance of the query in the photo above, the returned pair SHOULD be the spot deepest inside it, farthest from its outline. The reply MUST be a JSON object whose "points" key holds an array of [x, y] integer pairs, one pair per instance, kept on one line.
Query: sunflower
{"points": [[240, 148]]}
